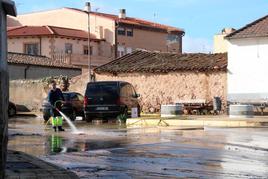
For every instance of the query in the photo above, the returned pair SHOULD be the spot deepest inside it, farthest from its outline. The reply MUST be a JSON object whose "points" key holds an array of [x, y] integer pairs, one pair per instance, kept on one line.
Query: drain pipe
{"points": [[25, 71], [115, 39], [40, 45]]}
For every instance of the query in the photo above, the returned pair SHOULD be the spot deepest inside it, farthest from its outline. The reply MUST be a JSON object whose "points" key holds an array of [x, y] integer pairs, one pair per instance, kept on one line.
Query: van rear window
{"points": [[103, 89], [66, 96]]}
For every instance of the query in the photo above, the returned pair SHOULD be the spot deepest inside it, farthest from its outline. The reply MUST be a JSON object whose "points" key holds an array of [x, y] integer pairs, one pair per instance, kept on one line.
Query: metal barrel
{"points": [[217, 104], [238, 110]]}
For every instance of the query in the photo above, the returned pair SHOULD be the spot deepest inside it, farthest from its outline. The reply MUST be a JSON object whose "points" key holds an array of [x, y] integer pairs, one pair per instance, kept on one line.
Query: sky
{"points": [[201, 19]]}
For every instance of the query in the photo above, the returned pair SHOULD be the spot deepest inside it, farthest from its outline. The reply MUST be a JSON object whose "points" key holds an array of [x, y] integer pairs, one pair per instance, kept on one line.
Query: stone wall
{"points": [[29, 94], [156, 89]]}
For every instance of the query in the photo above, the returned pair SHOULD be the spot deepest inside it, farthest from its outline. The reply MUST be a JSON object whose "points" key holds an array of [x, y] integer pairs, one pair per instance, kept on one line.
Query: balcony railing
{"points": [[78, 59], [62, 58]]}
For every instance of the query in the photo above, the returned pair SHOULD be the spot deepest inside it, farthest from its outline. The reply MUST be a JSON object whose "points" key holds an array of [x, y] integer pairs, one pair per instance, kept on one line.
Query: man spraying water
{"points": [[55, 98]]}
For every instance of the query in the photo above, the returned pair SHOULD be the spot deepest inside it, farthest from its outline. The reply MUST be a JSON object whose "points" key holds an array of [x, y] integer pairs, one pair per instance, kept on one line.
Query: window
{"points": [[120, 51], [80, 97], [124, 90], [131, 92], [31, 49], [68, 48], [171, 38], [121, 31], [74, 97], [104, 89], [85, 50], [66, 96], [130, 32]]}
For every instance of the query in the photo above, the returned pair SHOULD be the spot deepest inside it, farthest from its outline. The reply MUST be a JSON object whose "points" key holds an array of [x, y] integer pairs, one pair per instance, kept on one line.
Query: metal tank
{"points": [[171, 110]]}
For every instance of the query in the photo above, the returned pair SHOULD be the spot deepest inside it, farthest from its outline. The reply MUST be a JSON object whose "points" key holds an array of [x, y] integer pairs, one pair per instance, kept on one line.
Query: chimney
{"points": [[227, 30], [122, 13], [87, 7]]}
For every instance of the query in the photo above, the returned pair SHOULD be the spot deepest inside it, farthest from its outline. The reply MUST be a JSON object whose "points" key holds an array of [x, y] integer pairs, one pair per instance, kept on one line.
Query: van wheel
{"points": [[73, 116], [88, 118], [11, 112], [126, 112], [83, 117], [139, 111], [46, 117]]}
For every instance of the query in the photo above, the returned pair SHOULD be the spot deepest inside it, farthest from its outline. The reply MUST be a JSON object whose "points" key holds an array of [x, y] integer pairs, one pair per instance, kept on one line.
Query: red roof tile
{"points": [[157, 62], [20, 58], [29, 30], [135, 21], [48, 31], [258, 28]]}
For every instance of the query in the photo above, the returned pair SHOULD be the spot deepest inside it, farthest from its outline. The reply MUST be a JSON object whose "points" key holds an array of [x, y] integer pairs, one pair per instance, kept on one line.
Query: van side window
{"points": [[124, 90], [131, 93], [80, 97], [74, 97]]}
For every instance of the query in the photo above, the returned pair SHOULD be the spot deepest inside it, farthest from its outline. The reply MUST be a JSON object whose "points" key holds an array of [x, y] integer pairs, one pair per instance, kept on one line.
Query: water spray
{"points": [[74, 129]]}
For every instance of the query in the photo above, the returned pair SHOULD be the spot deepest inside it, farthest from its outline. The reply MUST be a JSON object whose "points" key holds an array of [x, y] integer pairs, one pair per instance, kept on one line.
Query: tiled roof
{"points": [[19, 58], [258, 28], [48, 31], [135, 21], [157, 62]]}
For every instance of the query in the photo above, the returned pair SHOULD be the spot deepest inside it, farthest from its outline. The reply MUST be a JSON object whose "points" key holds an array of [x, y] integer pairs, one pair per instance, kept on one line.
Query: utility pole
{"points": [[6, 7], [88, 9]]}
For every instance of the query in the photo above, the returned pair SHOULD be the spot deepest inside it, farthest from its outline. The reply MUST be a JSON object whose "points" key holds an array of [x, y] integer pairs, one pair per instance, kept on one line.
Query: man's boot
{"points": [[60, 128], [55, 128]]}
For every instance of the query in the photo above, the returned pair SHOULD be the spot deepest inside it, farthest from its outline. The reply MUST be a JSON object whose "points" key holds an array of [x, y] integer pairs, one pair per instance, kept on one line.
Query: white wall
{"points": [[77, 45], [248, 69]]}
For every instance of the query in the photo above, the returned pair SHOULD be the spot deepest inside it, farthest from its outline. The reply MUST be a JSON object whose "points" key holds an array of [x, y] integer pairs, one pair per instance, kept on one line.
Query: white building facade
{"points": [[248, 63]]}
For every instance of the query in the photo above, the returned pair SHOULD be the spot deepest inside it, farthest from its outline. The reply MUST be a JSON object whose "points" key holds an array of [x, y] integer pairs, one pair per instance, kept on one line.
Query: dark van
{"points": [[109, 99]]}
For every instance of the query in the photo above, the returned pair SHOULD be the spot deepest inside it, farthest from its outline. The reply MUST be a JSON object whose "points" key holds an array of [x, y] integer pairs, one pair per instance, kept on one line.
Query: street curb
{"points": [[221, 121], [29, 114]]}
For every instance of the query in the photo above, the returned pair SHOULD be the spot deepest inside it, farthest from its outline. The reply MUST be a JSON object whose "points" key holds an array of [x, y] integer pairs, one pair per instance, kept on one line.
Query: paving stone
{"points": [[24, 166], [28, 176], [43, 176], [12, 176]]}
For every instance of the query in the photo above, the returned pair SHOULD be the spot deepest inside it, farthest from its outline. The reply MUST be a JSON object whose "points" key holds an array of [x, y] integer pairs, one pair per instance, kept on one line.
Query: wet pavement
{"points": [[113, 151]]}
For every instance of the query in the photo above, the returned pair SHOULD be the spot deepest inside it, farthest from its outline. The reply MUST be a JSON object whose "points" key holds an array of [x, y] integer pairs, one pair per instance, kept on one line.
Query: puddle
{"points": [[112, 151], [58, 144]]}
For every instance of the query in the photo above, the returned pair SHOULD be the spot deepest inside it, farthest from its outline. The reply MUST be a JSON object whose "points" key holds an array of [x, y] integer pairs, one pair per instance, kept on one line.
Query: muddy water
{"points": [[112, 151]]}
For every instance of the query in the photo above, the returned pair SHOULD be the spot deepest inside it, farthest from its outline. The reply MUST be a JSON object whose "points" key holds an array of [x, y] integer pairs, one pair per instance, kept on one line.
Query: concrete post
{"points": [[3, 91], [6, 7]]}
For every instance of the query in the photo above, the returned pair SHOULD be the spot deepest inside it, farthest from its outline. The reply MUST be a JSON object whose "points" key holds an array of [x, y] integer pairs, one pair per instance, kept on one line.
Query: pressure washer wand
{"points": [[56, 109]]}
